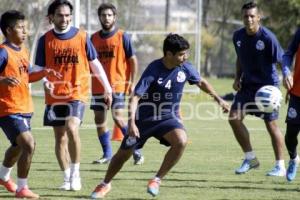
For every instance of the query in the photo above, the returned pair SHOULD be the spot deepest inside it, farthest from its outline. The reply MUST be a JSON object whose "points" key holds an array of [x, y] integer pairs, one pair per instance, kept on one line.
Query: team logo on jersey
{"points": [[160, 80], [260, 45], [238, 43], [181, 77], [292, 113]]}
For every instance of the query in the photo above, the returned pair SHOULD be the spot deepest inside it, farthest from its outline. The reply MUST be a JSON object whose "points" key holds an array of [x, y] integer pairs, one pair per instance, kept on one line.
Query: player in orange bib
{"points": [[69, 51], [15, 102], [117, 56]]}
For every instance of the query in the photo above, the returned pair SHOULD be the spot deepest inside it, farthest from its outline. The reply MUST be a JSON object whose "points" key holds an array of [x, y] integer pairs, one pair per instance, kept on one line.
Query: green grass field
{"points": [[206, 170]]}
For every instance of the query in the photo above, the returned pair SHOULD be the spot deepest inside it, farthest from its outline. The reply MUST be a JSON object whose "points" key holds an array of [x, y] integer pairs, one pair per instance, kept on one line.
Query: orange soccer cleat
{"points": [[9, 185], [25, 192], [100, 191]]}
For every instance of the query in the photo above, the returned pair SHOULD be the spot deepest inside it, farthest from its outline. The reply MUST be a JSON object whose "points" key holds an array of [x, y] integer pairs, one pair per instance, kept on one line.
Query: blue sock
{"points": [[124, 130], [106, 145]]}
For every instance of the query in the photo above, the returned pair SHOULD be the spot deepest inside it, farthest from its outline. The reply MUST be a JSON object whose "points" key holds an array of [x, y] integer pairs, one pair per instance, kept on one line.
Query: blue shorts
{"points": [[293, 111], [98, 103], [153, 128], [56, 114], [14, 125], [244, 101]]}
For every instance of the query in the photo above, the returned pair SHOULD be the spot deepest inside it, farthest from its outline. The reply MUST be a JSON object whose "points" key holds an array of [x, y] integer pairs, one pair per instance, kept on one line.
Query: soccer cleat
{"points": [[9, 185], [277, 171], [153, 187], [102, 161], [65, 186], [247, 165], [292, 170], [25, 192], [139, 161], [100, 191], [75, 183]]}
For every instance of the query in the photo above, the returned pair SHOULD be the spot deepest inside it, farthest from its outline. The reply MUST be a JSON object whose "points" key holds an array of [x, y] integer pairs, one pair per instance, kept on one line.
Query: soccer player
{"points": [[69, 51], [117, 55], [258, 52], [293, 119], [15, 102], [154, 111]]}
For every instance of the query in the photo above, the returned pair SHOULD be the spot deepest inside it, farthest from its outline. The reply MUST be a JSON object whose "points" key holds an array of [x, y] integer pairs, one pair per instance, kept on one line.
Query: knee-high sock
{"points": [[106, 145], [291, 141]]}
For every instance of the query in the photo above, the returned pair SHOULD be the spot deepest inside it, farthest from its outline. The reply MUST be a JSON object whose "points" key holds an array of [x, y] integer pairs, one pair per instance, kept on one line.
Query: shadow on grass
{"points": [[234, 188]]}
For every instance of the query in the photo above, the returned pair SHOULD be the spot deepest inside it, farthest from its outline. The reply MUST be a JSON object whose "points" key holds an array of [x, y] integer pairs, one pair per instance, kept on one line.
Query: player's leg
{"points": [[27, 145], [291, 141], [12, 154], [278, 145], [242, 136], [55, 116], [177, 140], [62, 154], [114, 167], [104, 136], [117, 114], [100, 117], [291, 136]]}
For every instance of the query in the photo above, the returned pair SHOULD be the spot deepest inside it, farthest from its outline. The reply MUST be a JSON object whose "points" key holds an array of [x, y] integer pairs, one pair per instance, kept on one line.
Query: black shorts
{"points": [[57, 114]]}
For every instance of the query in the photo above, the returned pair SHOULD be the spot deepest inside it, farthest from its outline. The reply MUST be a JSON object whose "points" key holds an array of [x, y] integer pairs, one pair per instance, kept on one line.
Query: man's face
{"points": [[18, 33], [62, 17], [251, 20], [107, 19], [178, 58]]}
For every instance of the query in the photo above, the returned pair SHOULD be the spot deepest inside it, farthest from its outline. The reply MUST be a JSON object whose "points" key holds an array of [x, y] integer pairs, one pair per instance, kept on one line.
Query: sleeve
{"points": [[234, 39], [277, 51], [128, 47], [90, 49], [3, 59], [145, 81], [288, 56], [193, 74], [40, 56]]}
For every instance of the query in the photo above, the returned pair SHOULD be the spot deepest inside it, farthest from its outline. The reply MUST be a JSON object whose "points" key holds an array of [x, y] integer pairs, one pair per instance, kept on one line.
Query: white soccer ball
{"points": [[268, 98]]}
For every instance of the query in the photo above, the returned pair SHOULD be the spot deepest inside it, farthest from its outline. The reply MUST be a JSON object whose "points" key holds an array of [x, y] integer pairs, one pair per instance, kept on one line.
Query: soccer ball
{"points": [[268, 98]]}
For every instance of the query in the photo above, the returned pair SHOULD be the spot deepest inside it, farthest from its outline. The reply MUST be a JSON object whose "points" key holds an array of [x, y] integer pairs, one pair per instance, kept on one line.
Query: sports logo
{"points": [[292, 113], [260, 45], [181, 77], [160, 80], [238, 43]]}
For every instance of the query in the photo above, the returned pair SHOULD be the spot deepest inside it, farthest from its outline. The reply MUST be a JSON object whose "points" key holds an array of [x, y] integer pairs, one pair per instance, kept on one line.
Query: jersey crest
{"points": [[260, 45]]}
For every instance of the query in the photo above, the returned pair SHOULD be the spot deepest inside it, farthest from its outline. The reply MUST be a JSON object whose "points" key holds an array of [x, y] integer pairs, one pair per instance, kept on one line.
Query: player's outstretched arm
{"points": [[36, 73], [207, 88]]}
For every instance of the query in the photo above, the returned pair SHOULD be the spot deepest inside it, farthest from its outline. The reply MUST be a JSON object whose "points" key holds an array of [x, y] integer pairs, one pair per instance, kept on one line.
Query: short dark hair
{"points": [[9, 19], [105, 6], [56, 3], [175, 43], [249, 5]]}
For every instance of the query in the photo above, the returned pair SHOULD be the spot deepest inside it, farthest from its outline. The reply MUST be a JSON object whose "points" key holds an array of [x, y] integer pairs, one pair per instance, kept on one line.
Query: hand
{"points": [[10, 81], [133, 131], [288, 82], [237, 85], [131, 88], [52, 72], [48, 87], [108, 100], [224, 105]]}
